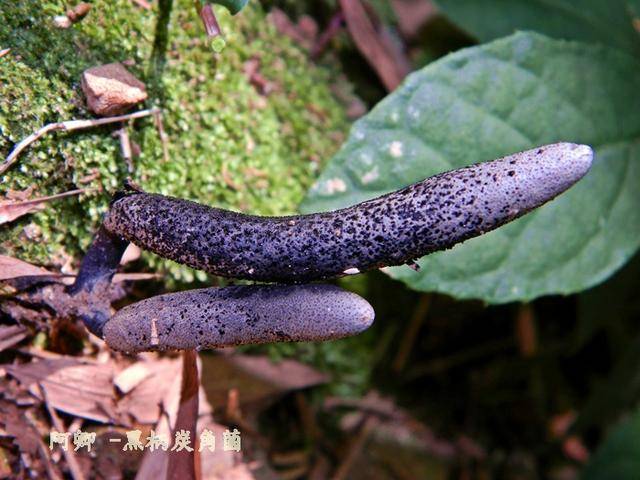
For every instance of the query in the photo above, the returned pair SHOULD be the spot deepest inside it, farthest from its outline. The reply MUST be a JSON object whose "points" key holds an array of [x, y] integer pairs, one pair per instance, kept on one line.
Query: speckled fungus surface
{"points": [[217, 317], [228, 145], [396, 228]]}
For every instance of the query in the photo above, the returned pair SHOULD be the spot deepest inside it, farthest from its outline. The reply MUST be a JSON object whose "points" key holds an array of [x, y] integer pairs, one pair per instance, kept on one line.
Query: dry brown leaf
{"points": [[574, 448], [11, 335], [216, 465], [78, 12], [397, 427], [69, 454], [35, 456], [132, 376], [256, 377], [143, 3], [144, 401], [387, 63], [21, 195], [13, 268], [80, 389], [10, 210], [16, 426]]}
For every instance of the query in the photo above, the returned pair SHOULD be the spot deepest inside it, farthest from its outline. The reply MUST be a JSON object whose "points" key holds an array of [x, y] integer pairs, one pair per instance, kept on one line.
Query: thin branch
{"points": [[69, 455], [164, 139], [143, 3], [70, 193], [371, 44], [411, 333], [10, 210], [181, 464], [125, 147], [209, 19], [357, 446], [335, 26], [69, 126]]}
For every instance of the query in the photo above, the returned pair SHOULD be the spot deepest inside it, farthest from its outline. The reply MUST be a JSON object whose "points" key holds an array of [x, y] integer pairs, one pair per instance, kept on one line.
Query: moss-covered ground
{"points": [[229, 145]]}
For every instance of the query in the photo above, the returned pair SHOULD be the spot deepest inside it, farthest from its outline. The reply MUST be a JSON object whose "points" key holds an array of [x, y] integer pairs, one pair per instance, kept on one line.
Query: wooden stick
{"points": [[69, 454], [164, 139], [69, 126], [125, 147], [410, 334], [182, 463], [208, 17]]}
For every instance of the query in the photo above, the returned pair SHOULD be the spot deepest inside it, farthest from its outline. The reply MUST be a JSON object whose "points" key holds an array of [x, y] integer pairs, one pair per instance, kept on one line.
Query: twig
{"points": [[125, 147], [335, 25], [372, 46], [45, 453], [143, 3], [182, 463], [525, 333], [69, 455], [9, 210], [307, 417], [442, 364], [69, 126], [369, 423], [164, 139], [409, 338], [57, 196], [209, 19]]}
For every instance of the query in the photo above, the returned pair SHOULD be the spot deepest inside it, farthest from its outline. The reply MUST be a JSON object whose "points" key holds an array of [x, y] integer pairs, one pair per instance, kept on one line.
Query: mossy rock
{"points": [[229, 146]]}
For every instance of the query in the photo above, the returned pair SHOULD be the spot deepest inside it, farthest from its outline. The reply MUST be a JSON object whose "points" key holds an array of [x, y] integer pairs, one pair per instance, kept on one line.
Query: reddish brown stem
{"points": [[209, 19], [335, 25]]}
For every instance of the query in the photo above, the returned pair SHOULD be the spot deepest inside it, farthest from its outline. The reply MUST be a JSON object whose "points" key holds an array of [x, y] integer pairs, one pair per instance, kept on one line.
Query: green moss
{"points": [[229, 146], [221, 131]]}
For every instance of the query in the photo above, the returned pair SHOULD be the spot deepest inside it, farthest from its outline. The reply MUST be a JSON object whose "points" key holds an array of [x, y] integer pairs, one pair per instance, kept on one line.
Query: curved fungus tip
{"points": [[434, 214]]}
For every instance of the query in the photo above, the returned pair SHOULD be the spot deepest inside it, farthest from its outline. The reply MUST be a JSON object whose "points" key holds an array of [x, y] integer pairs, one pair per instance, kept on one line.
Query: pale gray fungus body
{"points": [[393, 229], [220, 317]]}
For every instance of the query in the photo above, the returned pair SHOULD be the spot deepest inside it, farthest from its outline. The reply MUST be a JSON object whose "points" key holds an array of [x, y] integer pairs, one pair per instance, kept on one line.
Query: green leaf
{"points": [[234, 6], [609, 22], [619, 455], [484, 102]]}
